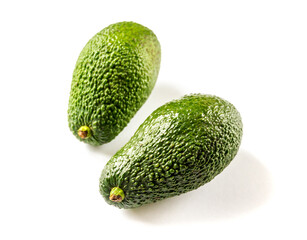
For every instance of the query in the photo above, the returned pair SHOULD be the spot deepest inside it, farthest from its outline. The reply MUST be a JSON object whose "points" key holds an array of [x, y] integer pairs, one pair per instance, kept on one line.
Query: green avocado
{"points": [[114, 75], [181, 146]]}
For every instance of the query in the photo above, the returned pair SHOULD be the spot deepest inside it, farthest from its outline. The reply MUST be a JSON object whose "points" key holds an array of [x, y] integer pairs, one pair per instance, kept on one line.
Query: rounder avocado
{"points": [[181, 146]]}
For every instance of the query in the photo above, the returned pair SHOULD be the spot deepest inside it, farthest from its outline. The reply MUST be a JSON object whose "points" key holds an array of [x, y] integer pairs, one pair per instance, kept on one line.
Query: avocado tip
{"points": [[84, 132], [115, 198], [116, 194]]}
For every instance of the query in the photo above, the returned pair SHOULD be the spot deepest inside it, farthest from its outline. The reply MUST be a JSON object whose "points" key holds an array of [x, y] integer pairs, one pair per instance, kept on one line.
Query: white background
{"points": [[252, 53]]}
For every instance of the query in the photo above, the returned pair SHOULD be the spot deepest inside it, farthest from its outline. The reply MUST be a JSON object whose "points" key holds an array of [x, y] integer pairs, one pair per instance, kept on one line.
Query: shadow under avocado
{"points": [[160, 95], [243, 186]]}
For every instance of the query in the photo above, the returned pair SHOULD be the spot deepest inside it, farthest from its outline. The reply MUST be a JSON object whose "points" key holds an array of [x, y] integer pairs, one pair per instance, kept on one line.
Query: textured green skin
{"points": [[114, 75], [181, 146]]}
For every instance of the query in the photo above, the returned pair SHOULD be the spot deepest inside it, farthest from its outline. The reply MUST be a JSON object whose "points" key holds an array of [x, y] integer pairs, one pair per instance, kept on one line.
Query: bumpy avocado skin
{"points": [[181, 146], [114, 75]]}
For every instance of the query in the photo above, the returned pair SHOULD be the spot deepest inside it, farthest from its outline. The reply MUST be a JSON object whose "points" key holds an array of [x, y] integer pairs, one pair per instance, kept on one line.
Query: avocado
{"points": [[181, 146], [114, 75]]}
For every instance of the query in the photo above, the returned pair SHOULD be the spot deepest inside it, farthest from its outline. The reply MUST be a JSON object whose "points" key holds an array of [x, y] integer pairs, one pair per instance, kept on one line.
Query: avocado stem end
{"points": [[116, 195], [84, 132]]}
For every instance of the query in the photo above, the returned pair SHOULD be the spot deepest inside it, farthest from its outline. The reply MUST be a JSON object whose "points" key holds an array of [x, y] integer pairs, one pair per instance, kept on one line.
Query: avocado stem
{"points": [[84, 132], [116, 194]]}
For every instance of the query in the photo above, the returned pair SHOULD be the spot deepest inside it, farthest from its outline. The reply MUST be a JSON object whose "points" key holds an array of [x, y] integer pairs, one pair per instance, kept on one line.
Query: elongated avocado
{"points": [[114, 75], [181, 146]]}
